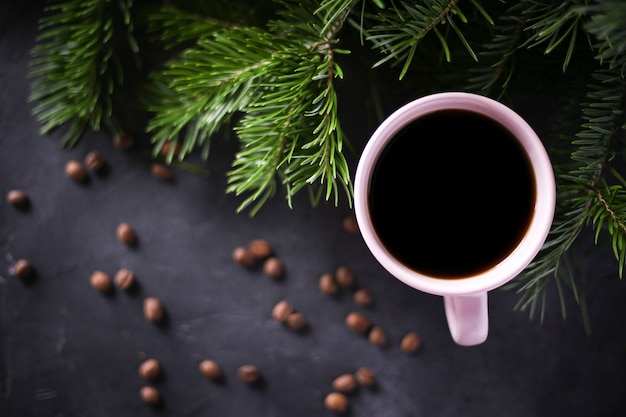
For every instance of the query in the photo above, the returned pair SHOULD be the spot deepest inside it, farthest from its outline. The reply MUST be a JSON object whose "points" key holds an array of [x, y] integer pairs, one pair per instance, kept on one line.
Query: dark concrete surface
{"points": [[67, 350]]}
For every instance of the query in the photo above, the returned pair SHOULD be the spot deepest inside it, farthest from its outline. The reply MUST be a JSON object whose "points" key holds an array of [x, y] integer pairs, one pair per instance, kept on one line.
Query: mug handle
{"points": [[468, 318]]}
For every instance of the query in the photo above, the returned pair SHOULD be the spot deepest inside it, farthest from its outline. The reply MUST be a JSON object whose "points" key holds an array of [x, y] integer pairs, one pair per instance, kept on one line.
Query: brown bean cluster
{"points": [[283, 312], [346, 384], [259, 253], [344, 279]]}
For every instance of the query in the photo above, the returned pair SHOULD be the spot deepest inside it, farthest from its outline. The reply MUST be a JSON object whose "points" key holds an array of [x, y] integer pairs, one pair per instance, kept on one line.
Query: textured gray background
{"points": [[66, 350]]}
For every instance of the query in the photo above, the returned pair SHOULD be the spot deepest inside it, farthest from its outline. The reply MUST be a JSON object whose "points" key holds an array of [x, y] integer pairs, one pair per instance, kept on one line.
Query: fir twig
{"points": [[582, 194], [551, 23], [396, 31], [500, 55], [76, 67]]}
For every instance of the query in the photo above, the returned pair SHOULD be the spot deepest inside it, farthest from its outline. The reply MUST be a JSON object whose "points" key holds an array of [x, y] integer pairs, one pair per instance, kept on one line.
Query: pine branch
{"points": [[397, 30], [76, 66], [290, 133], [295, 123], [199, 92], [165, 23], [607, 26], [552, 23], [581, 192], [608, 209], [500, 54]]}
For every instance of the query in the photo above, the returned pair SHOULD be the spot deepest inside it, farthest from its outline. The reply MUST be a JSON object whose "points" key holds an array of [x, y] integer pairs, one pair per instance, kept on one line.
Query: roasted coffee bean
{"points": [[358, 322], [328, 284], [126, 234], [153, 309], [18, 198], [161, 172], [273, 267], [150, 395], [350, 225], [336, 402], [345, 383], [377, 336], [249, 374], [243, 257], [344, 276], [210, 369], [75, 171], [123, 141], [94, 161], [411, 342], [124, 278], [296, 321], [363, 297], [100, 281], [260, 249], [281, 311], [23, 269], [365, 377], [150, 369]]}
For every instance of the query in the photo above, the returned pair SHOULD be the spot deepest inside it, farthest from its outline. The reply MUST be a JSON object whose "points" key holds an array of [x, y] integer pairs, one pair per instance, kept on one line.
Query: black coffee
{"points": [[452, 194]]}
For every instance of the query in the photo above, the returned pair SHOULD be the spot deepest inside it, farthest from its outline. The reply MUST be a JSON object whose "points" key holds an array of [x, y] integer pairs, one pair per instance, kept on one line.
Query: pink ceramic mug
{"points": [[465, 298]]}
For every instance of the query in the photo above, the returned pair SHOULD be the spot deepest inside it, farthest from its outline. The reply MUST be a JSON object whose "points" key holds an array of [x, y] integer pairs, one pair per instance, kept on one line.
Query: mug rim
{"points": [[544, 205]]}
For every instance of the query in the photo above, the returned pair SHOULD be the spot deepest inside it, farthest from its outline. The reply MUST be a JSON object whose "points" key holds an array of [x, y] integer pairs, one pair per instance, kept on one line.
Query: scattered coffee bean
{"points": [[363, 297], [344, 276], [126, 234], [336, 402], [365, 377], [281, 311], [210, 369], [328, 284], [153, 309], [350, 225], [249, 374], [345, 383], [100, 281], [243, 257], [377, 336], [358, 322], [150, 395], [124, 278], [411, 342], [296, 321], [273, 267], [18, 199], [150, 369], [94, 161], [23, 269], [260, 249], [123, 141], [161, 172], [75, 171]]}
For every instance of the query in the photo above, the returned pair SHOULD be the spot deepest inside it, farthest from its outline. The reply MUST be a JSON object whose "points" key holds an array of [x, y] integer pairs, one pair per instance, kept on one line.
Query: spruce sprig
{"points": [[396, 31], [551, 23], [607, 26], [76, 65], [583, 194], [500, 53], [199, 91], [290, 132]]}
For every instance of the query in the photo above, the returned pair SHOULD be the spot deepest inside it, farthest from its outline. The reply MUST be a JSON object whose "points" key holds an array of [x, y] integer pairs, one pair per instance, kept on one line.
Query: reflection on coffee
{"points": [[452, 194]]}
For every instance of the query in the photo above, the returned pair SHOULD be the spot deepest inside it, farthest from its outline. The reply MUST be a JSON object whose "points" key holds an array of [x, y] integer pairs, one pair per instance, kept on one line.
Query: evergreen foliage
{"points": [[268, 70]]}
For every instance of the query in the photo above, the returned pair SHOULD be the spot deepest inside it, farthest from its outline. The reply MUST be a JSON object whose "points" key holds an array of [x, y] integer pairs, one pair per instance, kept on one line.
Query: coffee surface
{"points": [[452, 194]]}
